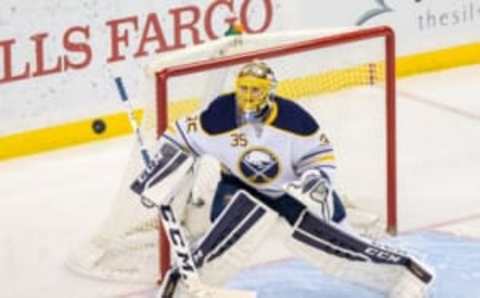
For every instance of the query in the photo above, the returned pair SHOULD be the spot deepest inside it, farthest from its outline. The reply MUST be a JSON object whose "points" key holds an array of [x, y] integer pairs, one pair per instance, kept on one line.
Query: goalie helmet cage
{"points": [[163, 76], [345, 77]]}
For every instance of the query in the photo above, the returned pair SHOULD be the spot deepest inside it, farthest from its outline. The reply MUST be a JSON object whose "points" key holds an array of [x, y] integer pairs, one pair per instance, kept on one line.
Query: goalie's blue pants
{"points": [[286, 205]]}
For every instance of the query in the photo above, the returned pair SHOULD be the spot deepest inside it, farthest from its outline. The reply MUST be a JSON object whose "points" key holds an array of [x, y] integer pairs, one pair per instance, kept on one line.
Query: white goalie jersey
{"points": [[266, 155]]}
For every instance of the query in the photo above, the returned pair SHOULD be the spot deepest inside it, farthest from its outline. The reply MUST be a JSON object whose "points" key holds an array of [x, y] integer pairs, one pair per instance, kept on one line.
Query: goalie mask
{"points": [[254, 85]]}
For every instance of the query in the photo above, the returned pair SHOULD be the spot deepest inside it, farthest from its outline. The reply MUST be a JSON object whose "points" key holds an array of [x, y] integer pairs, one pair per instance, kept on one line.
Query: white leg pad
{"points": [[408, 286], [234, 238], [395, 281]]}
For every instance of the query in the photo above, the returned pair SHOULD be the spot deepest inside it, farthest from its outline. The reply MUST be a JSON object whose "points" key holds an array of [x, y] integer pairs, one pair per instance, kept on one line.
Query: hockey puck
{"points": [[99, 126]]}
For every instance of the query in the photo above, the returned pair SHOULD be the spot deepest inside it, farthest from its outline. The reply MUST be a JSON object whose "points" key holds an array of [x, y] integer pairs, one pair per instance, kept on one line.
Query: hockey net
{"points": [[344, 77]]}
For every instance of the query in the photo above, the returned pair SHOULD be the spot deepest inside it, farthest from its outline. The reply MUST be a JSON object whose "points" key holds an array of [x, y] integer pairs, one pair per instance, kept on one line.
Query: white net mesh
{"points": [[342, 85]]}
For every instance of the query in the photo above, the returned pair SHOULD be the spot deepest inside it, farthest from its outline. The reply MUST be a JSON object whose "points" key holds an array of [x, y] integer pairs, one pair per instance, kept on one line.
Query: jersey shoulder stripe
{"points": [[220, 116], [293, 118]]}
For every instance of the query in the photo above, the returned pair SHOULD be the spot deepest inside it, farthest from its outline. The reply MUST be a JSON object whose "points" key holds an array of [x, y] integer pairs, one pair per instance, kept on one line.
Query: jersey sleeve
{"points": [[184, 133], [315, 152]]}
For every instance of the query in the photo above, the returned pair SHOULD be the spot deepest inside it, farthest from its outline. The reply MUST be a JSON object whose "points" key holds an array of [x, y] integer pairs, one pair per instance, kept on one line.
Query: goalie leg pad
{"points": [[234, 237], [342, 254], [182, 281]]}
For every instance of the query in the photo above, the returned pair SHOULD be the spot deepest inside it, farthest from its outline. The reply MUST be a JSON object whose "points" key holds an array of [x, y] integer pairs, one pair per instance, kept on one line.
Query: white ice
{"points": [[51, 202]]}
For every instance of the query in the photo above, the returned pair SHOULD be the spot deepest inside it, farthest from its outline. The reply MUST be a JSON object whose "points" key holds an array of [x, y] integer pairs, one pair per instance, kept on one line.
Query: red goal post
{"points": [[345, 77], [163, 76]]}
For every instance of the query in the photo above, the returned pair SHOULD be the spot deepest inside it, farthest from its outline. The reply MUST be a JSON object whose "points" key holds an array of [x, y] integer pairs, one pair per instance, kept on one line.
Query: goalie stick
{"points": [[146, 202], [185, 266]]}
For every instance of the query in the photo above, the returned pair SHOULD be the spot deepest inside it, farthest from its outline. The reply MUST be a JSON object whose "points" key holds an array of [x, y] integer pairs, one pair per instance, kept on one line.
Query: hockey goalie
{"points": [[277, 178]]}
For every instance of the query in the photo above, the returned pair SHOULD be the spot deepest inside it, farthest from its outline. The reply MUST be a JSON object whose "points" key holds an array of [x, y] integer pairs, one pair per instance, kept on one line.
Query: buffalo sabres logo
{"points": [[259, 165]]}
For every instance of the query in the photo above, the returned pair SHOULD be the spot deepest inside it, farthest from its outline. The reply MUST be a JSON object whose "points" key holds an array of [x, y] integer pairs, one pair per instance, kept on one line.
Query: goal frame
{"points": [[164, 75]]}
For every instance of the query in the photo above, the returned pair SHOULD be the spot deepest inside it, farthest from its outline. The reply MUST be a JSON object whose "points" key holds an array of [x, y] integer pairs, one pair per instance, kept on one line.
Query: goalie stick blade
{"points": [[204, 291], [209, 292], [196, 289]]}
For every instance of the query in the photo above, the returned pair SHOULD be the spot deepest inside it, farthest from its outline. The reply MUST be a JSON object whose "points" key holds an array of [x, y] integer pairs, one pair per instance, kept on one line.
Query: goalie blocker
{"points": [[168, 167]]}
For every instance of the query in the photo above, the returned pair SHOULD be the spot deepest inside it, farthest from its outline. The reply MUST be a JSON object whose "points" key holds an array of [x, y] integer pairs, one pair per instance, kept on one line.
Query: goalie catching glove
{"points": [[314, 190]]}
